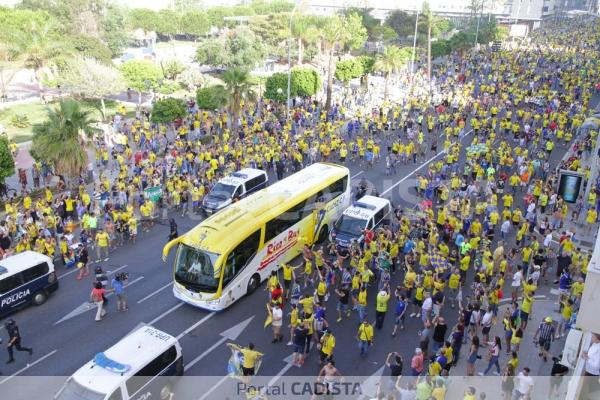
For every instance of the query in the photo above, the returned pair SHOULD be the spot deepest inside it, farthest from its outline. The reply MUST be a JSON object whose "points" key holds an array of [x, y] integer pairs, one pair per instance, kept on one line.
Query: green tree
{"points": [[303, 82], [369, 22], [238, 88], [346, 70], [440, 48], [88, 78], [340, 32], [169, 23], [262, 7], [7, 164], [241, 48], [114, 24], [171, 69], [306, 33], [390, 61], [36, 48], [211, 97], [64, 137], [195, 23], [429, 21], [276, 87], [141, 75], [168, 110], [144, 18], [88, 46]]}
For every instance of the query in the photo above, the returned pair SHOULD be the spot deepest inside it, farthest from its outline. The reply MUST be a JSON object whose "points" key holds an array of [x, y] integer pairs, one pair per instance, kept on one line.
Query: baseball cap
{"points": [[548, 319]]}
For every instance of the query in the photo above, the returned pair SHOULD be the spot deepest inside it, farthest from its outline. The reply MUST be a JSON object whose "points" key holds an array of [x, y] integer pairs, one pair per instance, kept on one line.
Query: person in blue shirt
{"points": [[118, 285], [401, 306]]}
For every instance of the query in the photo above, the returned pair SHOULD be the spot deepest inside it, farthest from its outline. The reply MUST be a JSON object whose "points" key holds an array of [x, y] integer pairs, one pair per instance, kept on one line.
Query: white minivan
{"points": [[367, 213], [234, 187], [25, 278], [140, 366]]}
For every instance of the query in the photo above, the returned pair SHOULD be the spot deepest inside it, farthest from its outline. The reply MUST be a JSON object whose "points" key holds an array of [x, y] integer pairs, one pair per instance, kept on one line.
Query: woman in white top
{"points": [[277, 323]]}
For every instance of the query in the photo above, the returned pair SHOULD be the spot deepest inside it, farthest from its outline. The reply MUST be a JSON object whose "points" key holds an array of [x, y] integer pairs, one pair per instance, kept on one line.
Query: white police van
{"points": [[25, 278], [367, 213], [140, 366], [234, 187]]}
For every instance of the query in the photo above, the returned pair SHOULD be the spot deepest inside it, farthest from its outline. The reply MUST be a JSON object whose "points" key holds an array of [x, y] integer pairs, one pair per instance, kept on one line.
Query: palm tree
{"points": [[334, 35], [237, 87], [429, 18], [390, 61], [63, 138], [306, 32], [36, 47]]}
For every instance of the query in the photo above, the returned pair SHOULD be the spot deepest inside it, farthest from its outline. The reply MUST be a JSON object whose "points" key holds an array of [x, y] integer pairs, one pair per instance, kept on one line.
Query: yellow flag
{"points": [[269, 318]]}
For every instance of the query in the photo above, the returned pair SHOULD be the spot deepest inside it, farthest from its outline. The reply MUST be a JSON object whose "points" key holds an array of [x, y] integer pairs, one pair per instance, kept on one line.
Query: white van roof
{"points": [[135, 350], [22, 261], [241, 176], [366, 207]]}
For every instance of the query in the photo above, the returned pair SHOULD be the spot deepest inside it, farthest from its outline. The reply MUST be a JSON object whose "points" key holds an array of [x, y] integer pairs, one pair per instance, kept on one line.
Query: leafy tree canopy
{"points": [[240, 48], [211, 97], [7, 164], [304, 82], [141, 75], [168, 110]]}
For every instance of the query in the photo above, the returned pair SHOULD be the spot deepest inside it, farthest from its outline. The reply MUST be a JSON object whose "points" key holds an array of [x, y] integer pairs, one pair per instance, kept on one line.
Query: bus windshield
{"points": [[350, 225], [195, 269]]}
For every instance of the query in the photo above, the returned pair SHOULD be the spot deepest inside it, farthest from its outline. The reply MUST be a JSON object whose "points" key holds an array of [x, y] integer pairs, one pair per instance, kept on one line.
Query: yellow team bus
{"points": [[230, 253]]}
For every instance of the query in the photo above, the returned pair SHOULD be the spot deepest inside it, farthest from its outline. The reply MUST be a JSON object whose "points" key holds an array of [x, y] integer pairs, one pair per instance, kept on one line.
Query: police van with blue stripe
{"points": [[143, 365], [367, 213], [234, 187], [25, 278]]}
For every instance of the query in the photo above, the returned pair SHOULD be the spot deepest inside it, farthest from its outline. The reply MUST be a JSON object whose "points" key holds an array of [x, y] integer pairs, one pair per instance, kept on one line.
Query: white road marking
{"points": [[357, 174], [197, 324], [288, 365], [39, 360], [87, 306], [212, 389], [143, 299], [169, 311], [420, 167], [229, 334]]}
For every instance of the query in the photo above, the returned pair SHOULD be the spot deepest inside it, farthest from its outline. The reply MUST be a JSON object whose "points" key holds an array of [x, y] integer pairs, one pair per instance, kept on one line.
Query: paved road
{"points": [[62, 344]]}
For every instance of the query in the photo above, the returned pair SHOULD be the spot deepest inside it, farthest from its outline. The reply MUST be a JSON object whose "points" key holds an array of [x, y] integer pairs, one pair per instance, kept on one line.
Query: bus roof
{"points": [[212, 234], [135, 350], [21, 261]]}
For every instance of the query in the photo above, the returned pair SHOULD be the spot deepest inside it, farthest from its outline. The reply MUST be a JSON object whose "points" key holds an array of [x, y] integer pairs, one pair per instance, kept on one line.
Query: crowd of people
{"points": [[490, 224]]}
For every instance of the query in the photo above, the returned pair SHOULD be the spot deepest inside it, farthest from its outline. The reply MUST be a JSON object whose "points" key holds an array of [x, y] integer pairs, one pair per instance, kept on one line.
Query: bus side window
{"points": [[284, 221], [239, 257], [10, 283]]}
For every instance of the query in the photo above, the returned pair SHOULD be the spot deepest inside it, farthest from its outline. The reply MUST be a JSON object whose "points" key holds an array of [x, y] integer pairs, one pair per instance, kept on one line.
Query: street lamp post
{"points": [[289, 82]]}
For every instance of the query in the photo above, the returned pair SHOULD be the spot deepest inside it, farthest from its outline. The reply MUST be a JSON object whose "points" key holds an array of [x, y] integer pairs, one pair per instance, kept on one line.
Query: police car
{"points": [[234, 187], [367, 213], [25, 278], [142, 365]]}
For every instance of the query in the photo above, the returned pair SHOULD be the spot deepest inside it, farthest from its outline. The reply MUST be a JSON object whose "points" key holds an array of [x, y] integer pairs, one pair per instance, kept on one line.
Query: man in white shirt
{"points": [[592, 357], [516, 282], [505, 228], [523, 385], [426, 307], [277, 315]]}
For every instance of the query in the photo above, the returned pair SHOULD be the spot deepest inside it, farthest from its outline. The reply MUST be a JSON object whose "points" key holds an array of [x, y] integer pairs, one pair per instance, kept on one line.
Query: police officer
{"points": [[14, 340]]}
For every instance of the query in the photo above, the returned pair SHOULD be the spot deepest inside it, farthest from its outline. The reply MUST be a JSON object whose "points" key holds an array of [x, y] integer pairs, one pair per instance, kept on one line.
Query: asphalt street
{"points": [[64, 335]]}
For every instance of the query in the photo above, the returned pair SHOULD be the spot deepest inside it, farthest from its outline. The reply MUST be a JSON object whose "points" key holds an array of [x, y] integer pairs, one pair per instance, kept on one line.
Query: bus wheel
{"points": [[165, 392], [253, 283], [39, 298], [322, 235]]}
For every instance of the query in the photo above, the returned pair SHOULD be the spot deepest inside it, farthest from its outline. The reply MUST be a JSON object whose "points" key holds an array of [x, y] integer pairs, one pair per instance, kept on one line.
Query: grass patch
{"points": [[36, 113]]}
